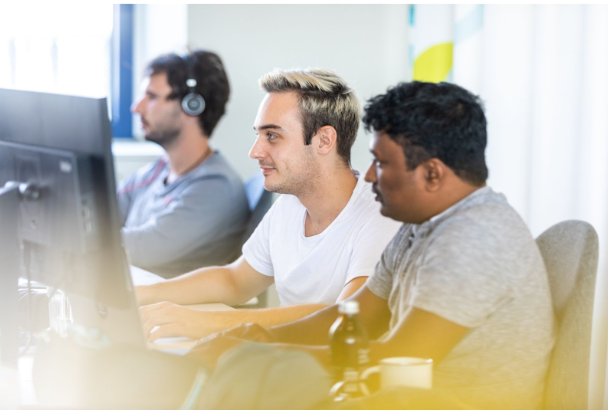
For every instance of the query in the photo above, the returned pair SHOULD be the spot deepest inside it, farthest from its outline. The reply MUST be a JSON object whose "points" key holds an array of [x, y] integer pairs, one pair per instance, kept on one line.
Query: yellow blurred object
{"points": [[434, 64]]}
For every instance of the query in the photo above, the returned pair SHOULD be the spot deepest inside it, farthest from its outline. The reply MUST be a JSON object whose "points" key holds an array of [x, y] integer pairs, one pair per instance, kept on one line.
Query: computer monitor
{"points": [[58, 188]]}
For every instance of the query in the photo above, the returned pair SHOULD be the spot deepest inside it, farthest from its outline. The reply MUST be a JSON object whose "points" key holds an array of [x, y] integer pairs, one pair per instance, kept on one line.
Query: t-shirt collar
{"points": [[433, 221]]}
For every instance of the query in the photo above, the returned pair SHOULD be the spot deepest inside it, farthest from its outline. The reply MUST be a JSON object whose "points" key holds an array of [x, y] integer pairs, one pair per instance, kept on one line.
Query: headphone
{"points": [[192, 103]]}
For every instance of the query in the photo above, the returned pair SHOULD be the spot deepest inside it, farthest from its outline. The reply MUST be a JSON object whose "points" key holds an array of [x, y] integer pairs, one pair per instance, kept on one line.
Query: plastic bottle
{"points": [[349, 348]]}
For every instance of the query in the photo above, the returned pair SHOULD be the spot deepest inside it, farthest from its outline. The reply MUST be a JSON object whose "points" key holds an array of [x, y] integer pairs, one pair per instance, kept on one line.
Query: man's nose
{"points": [[370, 174], [257, 150], [136, 107]]}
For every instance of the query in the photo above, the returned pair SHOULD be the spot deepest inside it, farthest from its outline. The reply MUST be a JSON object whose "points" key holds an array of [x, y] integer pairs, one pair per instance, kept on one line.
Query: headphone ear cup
{"points": [[193, 104]]}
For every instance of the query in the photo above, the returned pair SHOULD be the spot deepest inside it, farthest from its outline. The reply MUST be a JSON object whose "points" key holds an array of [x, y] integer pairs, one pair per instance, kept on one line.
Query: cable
{"points": [[26, 264]]}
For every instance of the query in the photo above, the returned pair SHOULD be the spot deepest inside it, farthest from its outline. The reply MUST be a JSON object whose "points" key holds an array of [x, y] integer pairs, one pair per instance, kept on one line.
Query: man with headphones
{"points": [[189, 208]]}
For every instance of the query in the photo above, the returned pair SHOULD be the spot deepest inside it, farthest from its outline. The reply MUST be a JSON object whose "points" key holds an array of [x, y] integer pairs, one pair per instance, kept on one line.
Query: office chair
{"points": [[259, 200], [570, 252]]}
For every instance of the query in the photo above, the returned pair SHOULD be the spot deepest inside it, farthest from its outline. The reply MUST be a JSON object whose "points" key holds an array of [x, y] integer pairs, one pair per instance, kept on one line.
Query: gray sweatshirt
{"points": [[195, 221]]}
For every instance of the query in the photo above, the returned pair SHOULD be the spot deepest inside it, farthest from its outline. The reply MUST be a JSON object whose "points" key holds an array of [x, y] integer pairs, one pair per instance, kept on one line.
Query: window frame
{"points": [[122, 71]]}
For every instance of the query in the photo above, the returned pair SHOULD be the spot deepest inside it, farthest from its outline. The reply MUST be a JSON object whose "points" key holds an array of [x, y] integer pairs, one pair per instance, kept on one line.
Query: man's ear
{"points": [[327, 139], [434, 173]]}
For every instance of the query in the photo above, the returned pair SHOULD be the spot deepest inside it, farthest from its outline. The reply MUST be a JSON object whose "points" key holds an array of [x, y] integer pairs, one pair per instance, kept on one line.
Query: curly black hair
{"points": [[430, 120], [211, 82]]}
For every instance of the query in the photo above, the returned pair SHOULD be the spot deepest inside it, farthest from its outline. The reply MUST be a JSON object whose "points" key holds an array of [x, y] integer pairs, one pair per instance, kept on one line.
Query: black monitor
{"points": [[60, 220]]}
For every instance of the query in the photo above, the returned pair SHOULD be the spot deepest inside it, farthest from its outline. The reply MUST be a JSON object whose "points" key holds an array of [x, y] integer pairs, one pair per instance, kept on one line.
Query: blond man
{"points": [[321, 239]]}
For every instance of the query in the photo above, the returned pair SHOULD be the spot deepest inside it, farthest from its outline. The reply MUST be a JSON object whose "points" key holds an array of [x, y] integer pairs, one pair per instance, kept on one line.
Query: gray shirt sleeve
{"points": [[381, 282], [466, 283], [197, 215]]}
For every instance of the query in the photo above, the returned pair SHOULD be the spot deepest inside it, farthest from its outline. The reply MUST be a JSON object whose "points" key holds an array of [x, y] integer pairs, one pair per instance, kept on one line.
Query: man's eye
{"points": [[271, 136]]}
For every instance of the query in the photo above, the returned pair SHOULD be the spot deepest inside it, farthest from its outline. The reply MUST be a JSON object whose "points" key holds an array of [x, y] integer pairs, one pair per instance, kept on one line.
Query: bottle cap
{"points": [[348, 307]]}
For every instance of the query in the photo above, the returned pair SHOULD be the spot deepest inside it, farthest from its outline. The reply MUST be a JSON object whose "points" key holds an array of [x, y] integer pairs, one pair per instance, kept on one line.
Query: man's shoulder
{"points": [[487, 229], [215, 174], [153, 168], [492, 213], [486, 223], [144, 176], [217, 166]]}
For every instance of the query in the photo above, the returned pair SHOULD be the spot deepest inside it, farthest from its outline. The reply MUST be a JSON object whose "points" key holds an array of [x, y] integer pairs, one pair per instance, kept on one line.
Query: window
{"points": [[122, 71], [83, 49]]}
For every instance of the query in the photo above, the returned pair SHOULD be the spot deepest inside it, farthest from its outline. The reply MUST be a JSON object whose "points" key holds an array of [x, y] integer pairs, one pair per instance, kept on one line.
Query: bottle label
{"points": [[352, 389], [363, 356], [351, 382], [350, 375]]}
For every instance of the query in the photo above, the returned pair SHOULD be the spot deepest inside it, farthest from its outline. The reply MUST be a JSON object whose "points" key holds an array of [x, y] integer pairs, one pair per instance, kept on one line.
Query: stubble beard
{"points": [[300, 182], [167, 131], [166, 138]]}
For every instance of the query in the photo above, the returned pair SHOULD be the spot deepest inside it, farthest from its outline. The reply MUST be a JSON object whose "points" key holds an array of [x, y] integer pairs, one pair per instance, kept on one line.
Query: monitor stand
{"points": [[9, 275]]}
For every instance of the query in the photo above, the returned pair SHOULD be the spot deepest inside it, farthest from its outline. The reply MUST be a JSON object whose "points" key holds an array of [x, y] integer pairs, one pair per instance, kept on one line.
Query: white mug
{"points": [[403, 371]]}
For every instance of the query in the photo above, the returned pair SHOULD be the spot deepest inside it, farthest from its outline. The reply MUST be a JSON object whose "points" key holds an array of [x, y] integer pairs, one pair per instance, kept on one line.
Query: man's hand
{"points": [[168, 319], [250, 331], [209, 350]]}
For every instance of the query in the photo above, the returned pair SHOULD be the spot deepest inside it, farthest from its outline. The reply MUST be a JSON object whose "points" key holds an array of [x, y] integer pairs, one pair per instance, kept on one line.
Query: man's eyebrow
{"points": [[267, 127]]}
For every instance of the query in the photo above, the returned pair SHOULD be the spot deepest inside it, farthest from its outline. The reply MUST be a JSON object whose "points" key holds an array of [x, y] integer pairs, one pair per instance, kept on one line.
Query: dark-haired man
{"points": [[463, 281], [189, 208]]}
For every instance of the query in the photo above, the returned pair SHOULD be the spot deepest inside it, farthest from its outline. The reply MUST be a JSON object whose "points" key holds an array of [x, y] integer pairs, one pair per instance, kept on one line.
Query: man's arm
{"points": [[231, 284], [188, 221], [210, 322], [168, 319], [421, 334], [314, 329]]}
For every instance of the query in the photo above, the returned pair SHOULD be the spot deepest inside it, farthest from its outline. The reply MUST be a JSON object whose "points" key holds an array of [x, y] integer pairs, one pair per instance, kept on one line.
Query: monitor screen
{"points": [[56, 150]]}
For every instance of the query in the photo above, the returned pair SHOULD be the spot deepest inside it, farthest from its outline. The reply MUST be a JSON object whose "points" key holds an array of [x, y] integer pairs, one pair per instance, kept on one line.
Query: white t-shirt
{"points": [[315, 269]]}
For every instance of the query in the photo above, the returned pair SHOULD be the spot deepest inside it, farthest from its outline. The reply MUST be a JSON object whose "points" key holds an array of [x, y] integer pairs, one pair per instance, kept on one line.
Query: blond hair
{"points": [[324, 99]]}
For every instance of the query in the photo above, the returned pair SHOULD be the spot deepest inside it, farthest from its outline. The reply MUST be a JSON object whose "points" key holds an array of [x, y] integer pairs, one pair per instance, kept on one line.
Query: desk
{"points": [[17, 389]]}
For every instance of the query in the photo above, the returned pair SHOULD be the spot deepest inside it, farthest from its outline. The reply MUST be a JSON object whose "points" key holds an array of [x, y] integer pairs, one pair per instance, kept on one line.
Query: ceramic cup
{"points": [[403, 371]]}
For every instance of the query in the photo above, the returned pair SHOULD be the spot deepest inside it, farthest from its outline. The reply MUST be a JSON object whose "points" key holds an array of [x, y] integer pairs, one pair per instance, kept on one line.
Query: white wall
{"points": [[158, 29], [365, 44]]}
